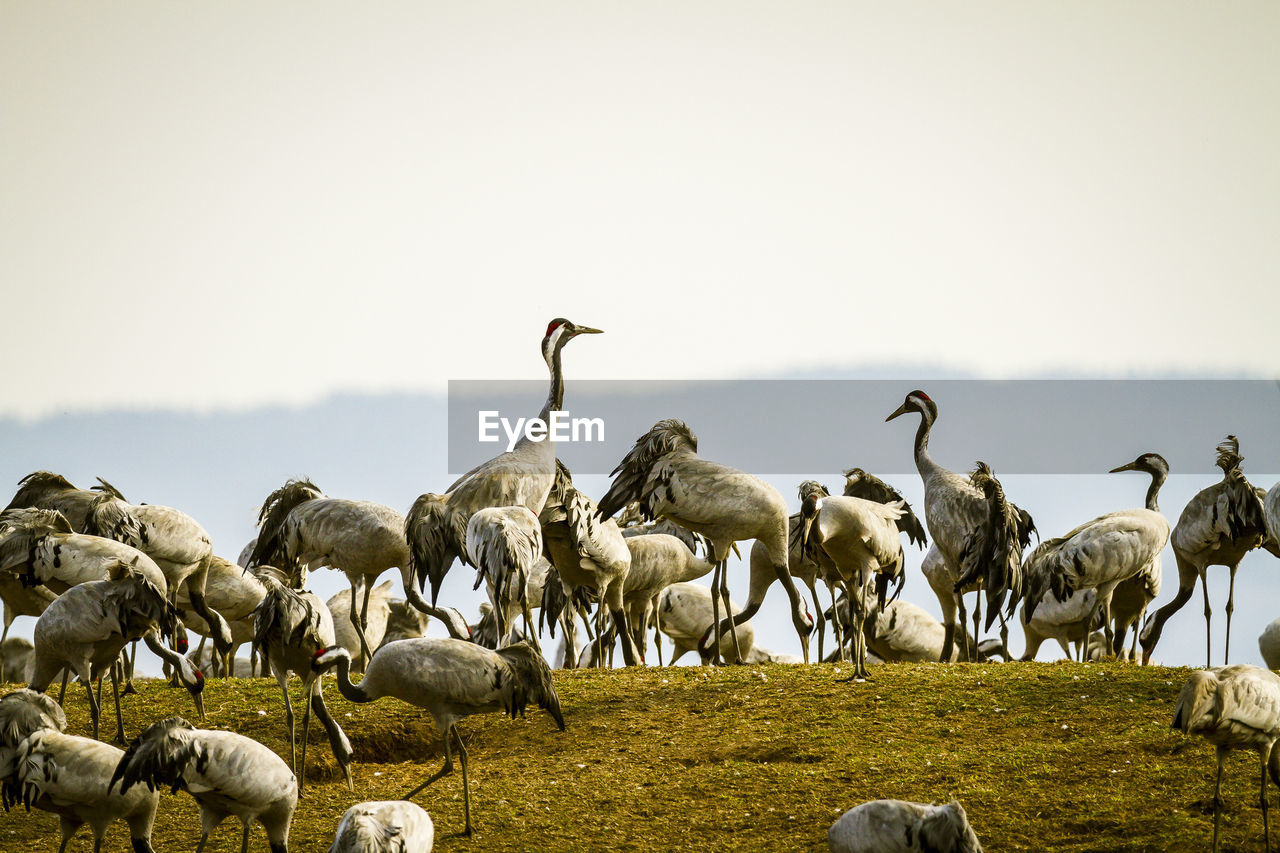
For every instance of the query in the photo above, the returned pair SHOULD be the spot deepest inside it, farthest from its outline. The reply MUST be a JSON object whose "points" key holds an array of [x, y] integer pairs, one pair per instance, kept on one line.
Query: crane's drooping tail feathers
{"points": [[437, 534], [554, 601], [666, 436], [284, 610], [21, 531], [859, 484], [137, 604], [533, 682], [38, 486], [25, 711], [272, 548], [106, 488], [109, 517], [159, 756], [993, 550]]}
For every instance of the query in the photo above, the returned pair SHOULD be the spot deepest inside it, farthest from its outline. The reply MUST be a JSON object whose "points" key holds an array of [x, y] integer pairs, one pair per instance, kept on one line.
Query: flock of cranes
{"points": [[100, 573]]}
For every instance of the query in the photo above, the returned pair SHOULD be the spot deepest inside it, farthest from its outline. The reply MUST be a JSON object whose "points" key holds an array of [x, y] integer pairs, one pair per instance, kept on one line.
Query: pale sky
{"points": [[225, 205]]}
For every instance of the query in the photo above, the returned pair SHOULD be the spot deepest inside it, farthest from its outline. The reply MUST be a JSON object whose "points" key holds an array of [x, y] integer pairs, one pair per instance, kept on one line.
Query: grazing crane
{"points": [[289, 628], [436, 525], [404, 622], [1102, 553], [232, 592], [376, 616], [386, 826], [20, 600], [300, 530], [590, 553], [1217, 528], [664, 472], [954, 509], [684, 615], [451, 680], [504, 544], [853, 539], [68, 775], [174, 540], [896, 826], [1234, 707], [17, 660], [84, 630], [227, 774]]}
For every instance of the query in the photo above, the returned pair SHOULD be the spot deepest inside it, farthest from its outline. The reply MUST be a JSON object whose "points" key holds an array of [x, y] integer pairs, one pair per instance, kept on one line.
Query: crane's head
{"points": [[916, 401], [193, 680], [1151, 463], [559, 332]]}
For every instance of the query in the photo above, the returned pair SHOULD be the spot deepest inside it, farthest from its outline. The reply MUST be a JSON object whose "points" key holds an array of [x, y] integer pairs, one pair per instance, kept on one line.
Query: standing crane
{"points": [[853, 539], [301, 530], [1102, 553], [386, 826], [451, 680], [227, 774], [954, 509], [504, 544], [1234, 707], [589, 552], [437, 524], [1217, 528], [664, 472], [289, 628], [84, 630]]}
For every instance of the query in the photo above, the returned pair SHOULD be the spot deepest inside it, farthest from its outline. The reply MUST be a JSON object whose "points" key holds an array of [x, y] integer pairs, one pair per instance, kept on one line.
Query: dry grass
{"points": [[1044, 757]]}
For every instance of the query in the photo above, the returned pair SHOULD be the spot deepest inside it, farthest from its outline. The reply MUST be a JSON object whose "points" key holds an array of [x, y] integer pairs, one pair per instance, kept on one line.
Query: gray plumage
{"points": [[47, 490], [17, 660], [450, 679], [522, 476], [1234, 707], [39, 546], [22, 713], [228, 775], [665, 474], [301, 530], [19, 600], [504, 544], [376, 616], [387, 826], [1269, 644], [1217, 527], [84, 630], [289, 629], [1271, 508], [954, 509], [897, 826], [859, 484]]}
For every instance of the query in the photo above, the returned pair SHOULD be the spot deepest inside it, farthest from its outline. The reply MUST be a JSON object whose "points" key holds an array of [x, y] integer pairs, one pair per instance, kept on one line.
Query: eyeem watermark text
{"points": [[560, 427]]}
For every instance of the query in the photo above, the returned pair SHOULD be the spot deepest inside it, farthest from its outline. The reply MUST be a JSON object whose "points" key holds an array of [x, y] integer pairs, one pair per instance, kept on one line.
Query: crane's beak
{"points": [[586, 330], [901, 410], [199, 700], [1132, 466]]}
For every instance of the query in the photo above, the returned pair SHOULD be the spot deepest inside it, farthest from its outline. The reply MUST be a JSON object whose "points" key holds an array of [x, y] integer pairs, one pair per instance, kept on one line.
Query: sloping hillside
{"points": [[1043, 756]]}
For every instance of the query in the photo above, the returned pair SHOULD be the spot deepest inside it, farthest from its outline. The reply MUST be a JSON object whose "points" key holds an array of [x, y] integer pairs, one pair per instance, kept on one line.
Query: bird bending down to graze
{"points": [[19, 600], [1269, 644], [664, 472], [1102, 553], [289, 628], [856, 541], [387, 826], [954, 508], [376, 615], [896, 826], [84, 630], [404, 622], [1217, 528], [68, 775], [684, 615], [504, 544], [451, 680], [1234, 707], [174, 540], [17, 660], [233, 593], [436, 525], [301, 530], [227, 774], [589, 552]]}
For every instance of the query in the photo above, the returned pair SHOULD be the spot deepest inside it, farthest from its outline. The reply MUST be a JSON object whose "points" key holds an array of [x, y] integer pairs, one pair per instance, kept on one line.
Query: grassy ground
{"points": [[1057, 757]]}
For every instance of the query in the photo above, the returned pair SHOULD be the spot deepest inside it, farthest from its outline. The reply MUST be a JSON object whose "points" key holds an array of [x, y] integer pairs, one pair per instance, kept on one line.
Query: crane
{"points": [[664, 472], [227, 774], [436, 525], [954, 509], [1217, 527], [504, 544], [897, 826], [451, 680], [385, 826]]}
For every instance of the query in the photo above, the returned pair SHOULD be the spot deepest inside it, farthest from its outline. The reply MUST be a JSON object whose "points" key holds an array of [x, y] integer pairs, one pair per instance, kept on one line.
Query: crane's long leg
{"points": [[1266, 828], [466, 781], [244, 837], [68, 828], [728, 609], [1231, 607], [977, 625], [819, 619], [129, 689], [356, 582], [1208, 614], [715, 611], [115, 692], [657, 631], [66, 676], [962, 619], [306, 729], [94, 708], [282, 678], [443, 771], [1088, 630], [1217, 801]]}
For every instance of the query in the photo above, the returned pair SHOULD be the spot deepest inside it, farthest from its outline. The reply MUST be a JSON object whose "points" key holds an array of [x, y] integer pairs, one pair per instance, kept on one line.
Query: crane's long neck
{"points": [[924, 462], [555, 393], [1157, 480], [352, 692]]}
